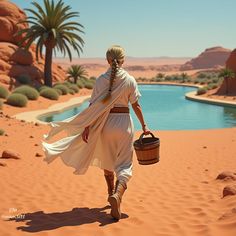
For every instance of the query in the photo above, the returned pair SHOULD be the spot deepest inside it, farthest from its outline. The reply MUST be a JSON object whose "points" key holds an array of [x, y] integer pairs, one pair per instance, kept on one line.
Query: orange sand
{"points": [[177, 196]]}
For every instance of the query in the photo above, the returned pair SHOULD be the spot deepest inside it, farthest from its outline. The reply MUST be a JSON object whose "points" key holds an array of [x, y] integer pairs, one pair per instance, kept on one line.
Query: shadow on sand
{"points": [[40, 221]]}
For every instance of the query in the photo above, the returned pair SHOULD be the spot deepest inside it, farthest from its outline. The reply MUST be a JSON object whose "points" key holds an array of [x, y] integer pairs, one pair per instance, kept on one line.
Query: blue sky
{"points": [[153, 28]]}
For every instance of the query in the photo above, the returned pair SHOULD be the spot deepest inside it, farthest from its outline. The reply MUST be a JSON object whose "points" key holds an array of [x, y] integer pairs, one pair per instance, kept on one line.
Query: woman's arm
{"points": [[138, 111]]}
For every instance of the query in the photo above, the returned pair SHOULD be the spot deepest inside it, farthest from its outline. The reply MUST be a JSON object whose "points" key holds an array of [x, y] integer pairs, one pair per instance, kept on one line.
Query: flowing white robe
{"points": [[72, 149]]}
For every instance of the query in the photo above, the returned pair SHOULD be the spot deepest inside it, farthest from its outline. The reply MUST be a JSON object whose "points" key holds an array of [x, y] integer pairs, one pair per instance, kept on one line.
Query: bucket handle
{"points": [[141, 137]]}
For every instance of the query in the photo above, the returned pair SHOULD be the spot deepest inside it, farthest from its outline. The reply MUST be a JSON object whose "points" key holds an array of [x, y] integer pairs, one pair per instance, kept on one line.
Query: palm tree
{"points": [[76, 72], [53, 29], [227, 74], [184, 76]]}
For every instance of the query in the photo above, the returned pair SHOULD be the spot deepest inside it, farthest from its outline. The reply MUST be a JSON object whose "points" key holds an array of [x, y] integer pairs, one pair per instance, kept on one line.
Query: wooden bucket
{"points": [[147, 149]]}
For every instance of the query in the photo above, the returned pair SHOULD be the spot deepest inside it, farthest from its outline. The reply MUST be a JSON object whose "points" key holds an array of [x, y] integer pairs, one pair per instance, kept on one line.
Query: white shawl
{"points": [[72, 149]]}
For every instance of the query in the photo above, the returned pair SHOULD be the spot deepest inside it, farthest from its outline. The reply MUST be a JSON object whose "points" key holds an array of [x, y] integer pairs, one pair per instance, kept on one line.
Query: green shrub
{"points": [[158, 79], [3, 92], [1, 104], [209, 86], [215, 80], [80, 84], [49, 93], [2, 132], [17, 100], [202, 75], [43, 87], [84, 80], [88, 85], [212, 86], [71, 91], [67, 84], [201, 91], [24, 79], [63, 88], [58, 91], [29, 92], [202, 82], [74, 87]]}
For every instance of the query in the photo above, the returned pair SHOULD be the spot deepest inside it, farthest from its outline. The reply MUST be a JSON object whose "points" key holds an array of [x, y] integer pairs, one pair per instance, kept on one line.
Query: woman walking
{"points": [[102, 135]]}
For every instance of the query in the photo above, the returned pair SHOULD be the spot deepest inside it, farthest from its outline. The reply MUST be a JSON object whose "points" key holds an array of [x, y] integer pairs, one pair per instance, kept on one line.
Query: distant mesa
{"points": [[214, 57], [15, 61]]}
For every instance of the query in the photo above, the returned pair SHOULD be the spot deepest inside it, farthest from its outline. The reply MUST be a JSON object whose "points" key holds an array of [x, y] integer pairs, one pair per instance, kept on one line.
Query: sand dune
{"points": [[178, 196]]}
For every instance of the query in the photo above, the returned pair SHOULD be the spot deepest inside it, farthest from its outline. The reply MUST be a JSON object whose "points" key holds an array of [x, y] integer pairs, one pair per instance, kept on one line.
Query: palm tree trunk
{"points": [[48, 67]]}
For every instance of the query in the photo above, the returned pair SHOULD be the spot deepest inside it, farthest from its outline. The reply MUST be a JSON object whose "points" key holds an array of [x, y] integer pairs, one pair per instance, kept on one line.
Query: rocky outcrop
{"points": [[9, 154], [227, 175], [230, 87], [211, 58], [231, 61], [10, 15], [15, 61], [229, 190]]}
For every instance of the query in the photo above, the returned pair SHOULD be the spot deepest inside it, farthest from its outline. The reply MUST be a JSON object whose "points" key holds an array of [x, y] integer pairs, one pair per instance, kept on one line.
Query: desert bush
{"points": [[88, 85], [203, 81], [84, 80], [43, 87], [160, 75], [80, 84], [17, 100], [67, 84], [71, 91], [215, 80], [168, 78], [2, 132], [29, 92], [58, 91], [23, 79], [212, 86], [201, 91], [74, 87], [92, 78], [49, 93], [3, 92], [202, 75], [63, 88], [158, 79], [1, 104]]}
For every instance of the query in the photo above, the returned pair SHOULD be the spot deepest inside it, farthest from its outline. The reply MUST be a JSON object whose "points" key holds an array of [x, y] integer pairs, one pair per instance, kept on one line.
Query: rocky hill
{"points": [[211, 58]]}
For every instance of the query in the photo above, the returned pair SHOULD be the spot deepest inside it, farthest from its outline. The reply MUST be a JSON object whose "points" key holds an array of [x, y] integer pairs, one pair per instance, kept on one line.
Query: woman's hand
{"points": [[146, 130], [85, 134]]}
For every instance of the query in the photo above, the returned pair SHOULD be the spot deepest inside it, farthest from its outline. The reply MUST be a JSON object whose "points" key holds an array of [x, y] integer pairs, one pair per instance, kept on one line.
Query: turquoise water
{"points": [[165, 108]]}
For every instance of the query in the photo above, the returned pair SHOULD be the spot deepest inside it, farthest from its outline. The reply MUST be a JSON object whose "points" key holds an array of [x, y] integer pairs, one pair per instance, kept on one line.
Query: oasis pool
{"points": [[165, 108]]}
